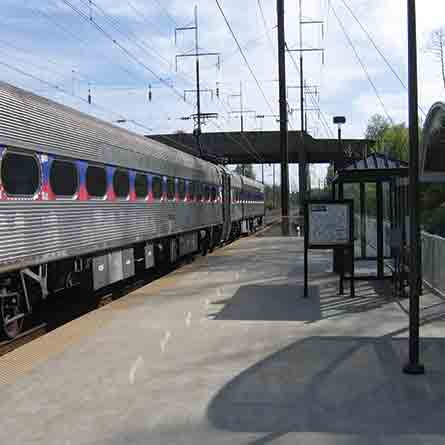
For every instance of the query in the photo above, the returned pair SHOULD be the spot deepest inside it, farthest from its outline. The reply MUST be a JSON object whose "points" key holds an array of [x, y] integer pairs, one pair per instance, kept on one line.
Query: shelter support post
{"points": [[363, 219], [380, 250], [337, 263]]}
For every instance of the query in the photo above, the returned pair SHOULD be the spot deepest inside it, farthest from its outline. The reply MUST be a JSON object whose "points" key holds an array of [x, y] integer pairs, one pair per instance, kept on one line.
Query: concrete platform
{"points": [[226, 351]]}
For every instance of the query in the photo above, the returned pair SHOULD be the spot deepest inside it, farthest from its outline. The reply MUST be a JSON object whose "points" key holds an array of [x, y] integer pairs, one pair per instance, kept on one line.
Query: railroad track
{"points": [[25, 337]]}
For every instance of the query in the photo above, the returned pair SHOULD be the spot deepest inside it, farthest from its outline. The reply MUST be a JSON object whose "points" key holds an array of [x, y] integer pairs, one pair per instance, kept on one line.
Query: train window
{"points": [[156, 186], [181, 188], [96, 181], [213, 194], [63, 178], [141, 185], [170, 188], [191, 190], [20, 174], [121, 183]]}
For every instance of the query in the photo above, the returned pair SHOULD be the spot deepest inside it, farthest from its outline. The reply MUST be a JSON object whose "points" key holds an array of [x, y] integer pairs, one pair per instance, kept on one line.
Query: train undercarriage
{"points": [[22, 290]]}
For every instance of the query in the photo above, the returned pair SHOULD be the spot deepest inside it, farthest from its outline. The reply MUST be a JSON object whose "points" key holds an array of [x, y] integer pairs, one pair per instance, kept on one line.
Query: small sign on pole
{"points": [[329, 224]]}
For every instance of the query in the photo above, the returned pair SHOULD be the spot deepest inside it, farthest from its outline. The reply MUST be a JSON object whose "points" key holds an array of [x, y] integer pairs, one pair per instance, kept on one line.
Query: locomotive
{"points": [[83, 202]]}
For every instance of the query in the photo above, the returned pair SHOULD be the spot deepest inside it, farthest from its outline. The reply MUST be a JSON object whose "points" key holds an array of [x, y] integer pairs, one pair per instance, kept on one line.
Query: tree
{"points": [[392, 139], [395, 142], [436, 47], [377, 125], [248, 170]]}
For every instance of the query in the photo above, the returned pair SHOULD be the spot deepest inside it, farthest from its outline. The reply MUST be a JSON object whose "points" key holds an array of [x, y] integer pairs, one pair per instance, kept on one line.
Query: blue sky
{"points": [[49, 41]]}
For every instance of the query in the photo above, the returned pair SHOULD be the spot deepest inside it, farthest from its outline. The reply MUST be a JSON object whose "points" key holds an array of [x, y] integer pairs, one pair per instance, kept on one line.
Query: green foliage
{"points": [[391, 139], [395, 142], [377, 126]]}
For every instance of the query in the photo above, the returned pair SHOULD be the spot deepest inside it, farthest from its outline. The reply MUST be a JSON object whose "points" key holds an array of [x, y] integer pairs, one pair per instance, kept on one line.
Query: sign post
{"points": [[329, 224]]}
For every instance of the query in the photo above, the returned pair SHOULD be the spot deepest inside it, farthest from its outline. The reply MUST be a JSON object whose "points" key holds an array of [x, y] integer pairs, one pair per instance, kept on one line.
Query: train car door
{"points": [[226, 196]]}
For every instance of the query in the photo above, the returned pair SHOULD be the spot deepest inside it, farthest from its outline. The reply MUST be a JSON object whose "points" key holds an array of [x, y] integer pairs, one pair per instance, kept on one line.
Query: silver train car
{"points": [[83, 202]]}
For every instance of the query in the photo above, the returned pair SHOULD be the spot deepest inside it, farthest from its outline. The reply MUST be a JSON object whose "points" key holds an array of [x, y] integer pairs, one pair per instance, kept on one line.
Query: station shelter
{"points": [[377, 184]]}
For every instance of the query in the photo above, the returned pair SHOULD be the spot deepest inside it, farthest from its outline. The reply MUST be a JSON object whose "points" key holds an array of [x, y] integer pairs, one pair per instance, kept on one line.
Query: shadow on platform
{"points": [[285, 302], [336, 385], [271, 303]]}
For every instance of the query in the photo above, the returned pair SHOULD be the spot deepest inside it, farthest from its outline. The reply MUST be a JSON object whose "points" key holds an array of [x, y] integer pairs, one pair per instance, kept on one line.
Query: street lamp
{"points": [[339, 121]]}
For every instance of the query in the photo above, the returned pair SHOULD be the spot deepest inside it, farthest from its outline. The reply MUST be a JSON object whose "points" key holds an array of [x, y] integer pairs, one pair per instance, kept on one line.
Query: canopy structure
{"points": [[432, 151], [256, 147], [371, 183]]}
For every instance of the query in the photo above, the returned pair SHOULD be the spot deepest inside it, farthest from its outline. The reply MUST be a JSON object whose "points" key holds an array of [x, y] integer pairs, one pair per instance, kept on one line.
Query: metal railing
{"points": [[433, 259]]}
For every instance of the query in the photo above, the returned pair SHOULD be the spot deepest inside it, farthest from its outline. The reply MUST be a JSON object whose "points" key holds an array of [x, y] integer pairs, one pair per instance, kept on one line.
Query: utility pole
{"points": [[241, 110], [284, 143], [302, 161], [415, 277], [197, 55], [273, 190]]}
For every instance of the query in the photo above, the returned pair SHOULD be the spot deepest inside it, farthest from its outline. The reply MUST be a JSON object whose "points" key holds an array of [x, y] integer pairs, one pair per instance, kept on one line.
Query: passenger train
{"points": [[83, 202]]}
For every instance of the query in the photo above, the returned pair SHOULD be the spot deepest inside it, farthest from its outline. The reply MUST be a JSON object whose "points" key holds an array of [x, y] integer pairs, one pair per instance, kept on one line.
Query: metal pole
{"points": [[283, 112], [363, 219], [198, 91], [413, 366], [380, 247], [302, 170], [241, 106], [262, 173], [273, 190]]}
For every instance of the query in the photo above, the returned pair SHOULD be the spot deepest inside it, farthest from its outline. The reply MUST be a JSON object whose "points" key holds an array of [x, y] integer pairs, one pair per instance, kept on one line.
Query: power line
{"points": [[359, 60], [128, 53], [260, 7], [166, 13], [64, 91], [143, 17], [387, 62], [322, 116], [138, 61], [76, 37], [245, 58], [128, 35]]}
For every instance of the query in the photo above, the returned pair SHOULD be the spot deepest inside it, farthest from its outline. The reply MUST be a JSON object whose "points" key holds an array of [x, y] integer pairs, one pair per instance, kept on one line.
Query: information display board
{"points": [[329, 223]]}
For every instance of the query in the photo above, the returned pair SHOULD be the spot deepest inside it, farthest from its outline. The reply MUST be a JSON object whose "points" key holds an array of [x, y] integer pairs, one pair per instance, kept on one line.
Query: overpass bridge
{"points": [[258, 147]]}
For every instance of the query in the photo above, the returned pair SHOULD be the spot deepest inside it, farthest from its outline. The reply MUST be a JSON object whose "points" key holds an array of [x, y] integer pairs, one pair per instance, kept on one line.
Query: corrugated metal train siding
{"points": [[33, 122], [38, 232]]}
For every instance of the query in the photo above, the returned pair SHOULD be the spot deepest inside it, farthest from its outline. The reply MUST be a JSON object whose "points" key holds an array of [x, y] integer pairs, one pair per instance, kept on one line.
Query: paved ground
{"points": [[226, 351]]}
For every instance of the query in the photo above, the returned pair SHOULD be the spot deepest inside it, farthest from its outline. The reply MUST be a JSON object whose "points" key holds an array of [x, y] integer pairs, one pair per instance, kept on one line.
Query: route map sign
{"points": [[329, 224]]}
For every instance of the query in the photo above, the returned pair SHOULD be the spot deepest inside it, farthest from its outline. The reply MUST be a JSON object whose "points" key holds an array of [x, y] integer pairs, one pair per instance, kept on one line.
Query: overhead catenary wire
{"points": [[362, 64], [244, 57], [166, 13], [379, 51], [64, 91], [266, 27], [65, 30], [127, 52], [129, 35], [130, 55], [322, 116]]}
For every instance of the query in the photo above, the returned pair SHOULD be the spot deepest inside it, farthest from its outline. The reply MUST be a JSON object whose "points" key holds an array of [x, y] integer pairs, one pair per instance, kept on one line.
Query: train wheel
{"points": [[11, 314]]}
